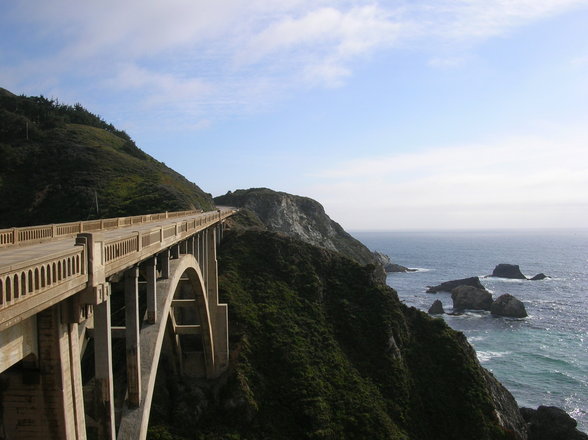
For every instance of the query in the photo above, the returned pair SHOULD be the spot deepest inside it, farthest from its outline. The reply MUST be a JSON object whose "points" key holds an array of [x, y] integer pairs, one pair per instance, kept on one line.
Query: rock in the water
{"points": [[389, 266], [508, 305], [508, 271], [468, 297], [551, 423], [436, 308], [539, 276], [448, 286]]}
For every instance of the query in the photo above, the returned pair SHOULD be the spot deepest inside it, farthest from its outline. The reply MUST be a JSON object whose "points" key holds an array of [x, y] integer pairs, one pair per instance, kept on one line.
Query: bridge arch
{"points": [[184, 285]]}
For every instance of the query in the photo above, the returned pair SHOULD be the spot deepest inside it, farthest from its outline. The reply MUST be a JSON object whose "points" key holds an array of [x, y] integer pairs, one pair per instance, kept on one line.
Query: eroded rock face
{"points": [[551, 423], [300, 217], [448, 286], [436, 308], [511, 271], [508, 305], [472, 298]]}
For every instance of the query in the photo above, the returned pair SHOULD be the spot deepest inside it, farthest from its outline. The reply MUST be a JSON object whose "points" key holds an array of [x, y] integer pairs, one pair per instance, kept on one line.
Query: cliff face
{"points": [[300, 217], [321, 351]]}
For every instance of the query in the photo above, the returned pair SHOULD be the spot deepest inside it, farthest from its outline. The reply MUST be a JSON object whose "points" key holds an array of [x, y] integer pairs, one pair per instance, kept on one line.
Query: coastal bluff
{"points": [[302, 218]]}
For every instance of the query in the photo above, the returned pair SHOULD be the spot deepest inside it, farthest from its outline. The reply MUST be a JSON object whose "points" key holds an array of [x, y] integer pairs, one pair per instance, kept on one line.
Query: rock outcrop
{"points": [[436, 308], [448, 286], [390, 267], [299, 217], [539, 276], [508, 305], [511, 271], [551, 423], [471, 298]]}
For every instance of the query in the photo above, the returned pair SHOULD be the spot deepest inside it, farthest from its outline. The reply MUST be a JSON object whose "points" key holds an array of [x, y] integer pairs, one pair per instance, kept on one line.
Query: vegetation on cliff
{"points": [[321, 351], [62, 163]]}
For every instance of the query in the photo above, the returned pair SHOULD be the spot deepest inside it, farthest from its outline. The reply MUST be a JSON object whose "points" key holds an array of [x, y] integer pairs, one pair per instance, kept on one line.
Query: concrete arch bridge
{"points": [[58, 284]]}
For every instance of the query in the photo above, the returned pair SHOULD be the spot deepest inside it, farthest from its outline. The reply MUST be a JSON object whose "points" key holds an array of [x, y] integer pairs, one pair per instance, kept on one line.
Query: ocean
{"points": [[541, 359]]}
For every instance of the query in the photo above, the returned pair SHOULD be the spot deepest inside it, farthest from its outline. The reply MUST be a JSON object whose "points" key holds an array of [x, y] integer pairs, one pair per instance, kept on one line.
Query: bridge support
{"points": [[133, 345], [151, 278], [47, 402], [104, 383]]}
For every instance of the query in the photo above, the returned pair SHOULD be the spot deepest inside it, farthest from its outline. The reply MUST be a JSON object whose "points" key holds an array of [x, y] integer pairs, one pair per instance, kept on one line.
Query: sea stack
{"points": [[511, 271], [508, 305], [448, 286], [472, 298], [436, 308]]}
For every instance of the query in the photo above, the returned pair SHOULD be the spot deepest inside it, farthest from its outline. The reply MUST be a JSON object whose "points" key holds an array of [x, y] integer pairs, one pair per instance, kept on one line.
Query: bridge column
{"points": [[49, 404], [164, 259], [203, 260], [218, 312], [132, 336], [151, 278], [175, 251], [104, 384]]}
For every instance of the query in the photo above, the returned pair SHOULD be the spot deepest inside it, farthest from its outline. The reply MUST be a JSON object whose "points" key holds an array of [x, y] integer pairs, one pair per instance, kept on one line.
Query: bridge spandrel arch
{"points": [[184, 288]]}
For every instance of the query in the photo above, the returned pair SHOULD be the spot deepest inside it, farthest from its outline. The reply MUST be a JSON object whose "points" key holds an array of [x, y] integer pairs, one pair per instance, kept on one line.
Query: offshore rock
{"points": [[448, 286], [436, 308], [508, 305], [389, 266], [472, 298], [511, 271], [551, 423], [539, 276]]}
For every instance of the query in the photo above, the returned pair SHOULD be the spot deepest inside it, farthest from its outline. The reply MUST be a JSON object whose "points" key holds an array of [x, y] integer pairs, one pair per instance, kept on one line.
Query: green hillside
{"points": [[321, 351], [62, 163]]}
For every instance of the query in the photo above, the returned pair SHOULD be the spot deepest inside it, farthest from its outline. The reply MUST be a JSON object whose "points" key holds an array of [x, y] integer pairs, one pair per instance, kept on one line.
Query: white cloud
{"points": [[461, 19], [243, 55], [527, 180]]}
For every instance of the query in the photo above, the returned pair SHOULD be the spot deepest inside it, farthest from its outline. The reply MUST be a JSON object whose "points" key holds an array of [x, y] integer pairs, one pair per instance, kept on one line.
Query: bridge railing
{"points": [[28, 284], [135, 243], [32, 283], [39, 234]]}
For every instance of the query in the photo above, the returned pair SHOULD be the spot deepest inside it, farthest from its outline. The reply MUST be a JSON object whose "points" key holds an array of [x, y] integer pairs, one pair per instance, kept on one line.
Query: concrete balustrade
{"points": [[17, 284], [39, 234]]}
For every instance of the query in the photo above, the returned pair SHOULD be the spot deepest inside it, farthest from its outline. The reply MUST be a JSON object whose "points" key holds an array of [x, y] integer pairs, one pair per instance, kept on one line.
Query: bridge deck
{"points": [[15, 257], [34, 275]]}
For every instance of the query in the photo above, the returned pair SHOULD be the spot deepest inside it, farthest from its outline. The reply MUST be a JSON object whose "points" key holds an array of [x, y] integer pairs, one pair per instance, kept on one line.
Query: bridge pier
{"points": [[151, 278], [46, 401], [103, 381], [133, 345]]}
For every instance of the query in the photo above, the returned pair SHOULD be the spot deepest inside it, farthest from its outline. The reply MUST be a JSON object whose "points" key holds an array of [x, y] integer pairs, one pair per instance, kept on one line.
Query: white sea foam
{"points": [[485, 356], [476, 338]]}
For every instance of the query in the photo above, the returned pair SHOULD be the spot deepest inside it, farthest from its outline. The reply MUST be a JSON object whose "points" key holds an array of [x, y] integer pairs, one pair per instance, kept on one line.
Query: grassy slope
{"points": [[56, 174], [324, 353]]}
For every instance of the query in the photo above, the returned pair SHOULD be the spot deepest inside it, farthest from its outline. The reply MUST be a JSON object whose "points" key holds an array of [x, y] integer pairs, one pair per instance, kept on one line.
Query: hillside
{"points": [[62, 163], [299, 217], [321, 351]]}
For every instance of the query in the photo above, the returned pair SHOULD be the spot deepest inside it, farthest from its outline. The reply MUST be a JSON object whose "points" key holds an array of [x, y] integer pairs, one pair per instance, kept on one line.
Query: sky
{"points": [[395, 115]]}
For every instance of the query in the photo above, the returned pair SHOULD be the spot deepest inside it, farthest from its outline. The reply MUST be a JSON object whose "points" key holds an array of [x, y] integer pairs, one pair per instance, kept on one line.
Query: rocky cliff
{"points": [[299, 217]]}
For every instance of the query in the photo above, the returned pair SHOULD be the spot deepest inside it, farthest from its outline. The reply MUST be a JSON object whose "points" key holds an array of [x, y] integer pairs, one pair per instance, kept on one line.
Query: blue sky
{"points": [[393, 114]]}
